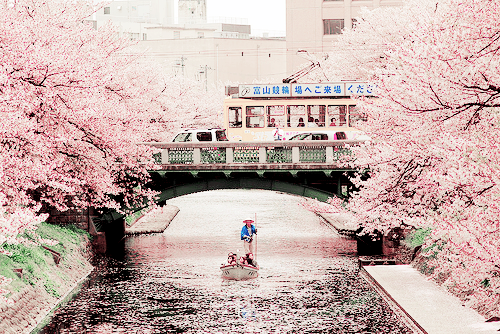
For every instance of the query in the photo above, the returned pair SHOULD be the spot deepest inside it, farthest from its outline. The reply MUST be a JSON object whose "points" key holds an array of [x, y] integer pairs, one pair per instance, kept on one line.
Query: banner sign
{"points": [[277, 90], [360, 88], [329, 89], [316, 90]]}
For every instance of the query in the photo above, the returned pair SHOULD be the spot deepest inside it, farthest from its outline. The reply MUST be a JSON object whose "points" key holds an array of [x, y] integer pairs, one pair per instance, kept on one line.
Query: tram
{"points": [[252, 112]]}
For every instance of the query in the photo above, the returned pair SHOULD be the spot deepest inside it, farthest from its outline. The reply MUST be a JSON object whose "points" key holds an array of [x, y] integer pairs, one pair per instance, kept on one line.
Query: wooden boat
{"points": [[239, 271]]}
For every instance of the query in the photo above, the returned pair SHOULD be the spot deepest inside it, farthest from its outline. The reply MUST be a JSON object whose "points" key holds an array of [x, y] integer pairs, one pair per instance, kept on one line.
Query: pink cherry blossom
{"points": [[434, 159]]}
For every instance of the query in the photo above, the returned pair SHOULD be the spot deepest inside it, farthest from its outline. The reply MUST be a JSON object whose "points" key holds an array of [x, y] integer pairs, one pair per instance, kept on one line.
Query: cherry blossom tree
{"points": [[74, 103], [72, 109], [434, 161], [185, 103]]}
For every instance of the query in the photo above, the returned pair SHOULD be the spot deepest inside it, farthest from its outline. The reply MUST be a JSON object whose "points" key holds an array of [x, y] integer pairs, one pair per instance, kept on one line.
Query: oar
{"points": [[255, 222]]}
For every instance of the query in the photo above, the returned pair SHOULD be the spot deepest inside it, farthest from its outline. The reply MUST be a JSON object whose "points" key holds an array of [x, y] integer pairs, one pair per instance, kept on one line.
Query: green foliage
{"points": [[130, 219], [51, 287], [69, 236], [417, 237], [426, 269], [485, 283]]}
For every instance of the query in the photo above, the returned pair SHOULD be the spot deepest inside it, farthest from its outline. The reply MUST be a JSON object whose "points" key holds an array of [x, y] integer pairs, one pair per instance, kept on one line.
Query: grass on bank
{"points": [[36, 262], [417, 237], [132, 218]]}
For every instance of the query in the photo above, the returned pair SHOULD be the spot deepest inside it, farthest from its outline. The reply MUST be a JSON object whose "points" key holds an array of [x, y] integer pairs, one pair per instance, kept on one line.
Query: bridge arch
{"points": [[319, 185], [221, 184]]}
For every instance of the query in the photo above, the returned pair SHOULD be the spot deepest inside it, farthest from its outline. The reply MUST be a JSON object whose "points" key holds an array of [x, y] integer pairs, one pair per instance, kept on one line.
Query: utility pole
{"points": [[180, 63], [204, 70]]}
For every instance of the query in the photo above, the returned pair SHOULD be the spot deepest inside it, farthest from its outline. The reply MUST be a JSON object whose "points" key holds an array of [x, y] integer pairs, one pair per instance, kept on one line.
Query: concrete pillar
{"points": [[229, 155], [197, 156], [164, 156], [114, 235], [295, 155], [262, 155], [329, 155]]}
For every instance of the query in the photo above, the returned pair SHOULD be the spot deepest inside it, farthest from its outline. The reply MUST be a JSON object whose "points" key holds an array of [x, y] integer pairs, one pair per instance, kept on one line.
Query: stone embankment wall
{"points": [[390, 245], [155, 221], [33, 303]]}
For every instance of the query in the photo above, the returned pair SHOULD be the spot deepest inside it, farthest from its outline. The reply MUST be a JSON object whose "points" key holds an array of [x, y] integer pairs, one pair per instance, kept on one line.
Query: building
{"points": [[313, 25], [211, 52], [220, 60], [192, 11], [133, 17]]}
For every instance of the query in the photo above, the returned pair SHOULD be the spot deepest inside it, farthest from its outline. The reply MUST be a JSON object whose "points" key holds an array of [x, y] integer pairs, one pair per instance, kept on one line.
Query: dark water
{"points": [[171, 282]]}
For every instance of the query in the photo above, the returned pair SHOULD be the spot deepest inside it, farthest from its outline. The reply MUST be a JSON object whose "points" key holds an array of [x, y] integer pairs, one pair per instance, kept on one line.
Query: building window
{"points": [[107, 10], [333, 27], [144, 37], [354, 23], [177, 34], [201, 34]]}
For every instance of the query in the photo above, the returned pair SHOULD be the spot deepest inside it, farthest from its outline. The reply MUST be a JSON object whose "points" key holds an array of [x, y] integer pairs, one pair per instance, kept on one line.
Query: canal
{"points": [[171, 282]]}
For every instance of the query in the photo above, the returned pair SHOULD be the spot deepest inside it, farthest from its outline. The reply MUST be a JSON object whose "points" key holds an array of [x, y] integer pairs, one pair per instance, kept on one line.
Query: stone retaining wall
{"points": [[33, 303]]}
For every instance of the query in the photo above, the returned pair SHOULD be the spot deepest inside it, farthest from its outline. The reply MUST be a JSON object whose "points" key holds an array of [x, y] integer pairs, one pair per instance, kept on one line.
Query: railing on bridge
{"points": [[255, 153]]}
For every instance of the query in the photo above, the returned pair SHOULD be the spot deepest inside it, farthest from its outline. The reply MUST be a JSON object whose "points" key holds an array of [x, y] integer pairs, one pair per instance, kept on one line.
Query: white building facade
{"points": [[209, 52], [313, 25], [220, 60]]}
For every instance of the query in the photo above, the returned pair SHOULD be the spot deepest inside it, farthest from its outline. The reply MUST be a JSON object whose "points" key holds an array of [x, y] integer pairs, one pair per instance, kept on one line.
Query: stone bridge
{"points": [[315, 169]]}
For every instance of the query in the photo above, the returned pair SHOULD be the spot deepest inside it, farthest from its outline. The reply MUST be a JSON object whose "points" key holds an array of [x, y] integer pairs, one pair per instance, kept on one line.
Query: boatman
{"points": [[247, 233]]}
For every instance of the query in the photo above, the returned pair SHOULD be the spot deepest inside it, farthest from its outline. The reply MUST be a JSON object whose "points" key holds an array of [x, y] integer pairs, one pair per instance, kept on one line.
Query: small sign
{"points": [[327, 89], [322, 89], [270, 90], [360, 88]]}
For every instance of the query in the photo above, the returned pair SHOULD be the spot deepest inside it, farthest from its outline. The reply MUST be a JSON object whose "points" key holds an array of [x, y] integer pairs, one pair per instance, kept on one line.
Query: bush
{"points": [[417, 238]]}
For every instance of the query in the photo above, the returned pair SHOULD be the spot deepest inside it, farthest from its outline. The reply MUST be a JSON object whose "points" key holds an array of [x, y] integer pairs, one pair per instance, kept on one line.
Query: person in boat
{"points": [[247, 235], [231, 258], [243, 260], [250, 260]]}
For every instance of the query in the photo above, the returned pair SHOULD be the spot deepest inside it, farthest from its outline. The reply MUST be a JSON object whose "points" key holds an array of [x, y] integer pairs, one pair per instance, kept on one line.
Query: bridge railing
{"points": [[290, 152]]}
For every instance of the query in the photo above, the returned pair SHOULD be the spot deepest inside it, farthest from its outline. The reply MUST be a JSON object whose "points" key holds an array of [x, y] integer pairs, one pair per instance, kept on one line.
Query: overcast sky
{"points": [[262, 15]]}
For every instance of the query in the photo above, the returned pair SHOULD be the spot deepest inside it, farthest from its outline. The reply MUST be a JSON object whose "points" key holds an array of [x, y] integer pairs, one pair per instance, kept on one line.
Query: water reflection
{"points": [[170, 282]]}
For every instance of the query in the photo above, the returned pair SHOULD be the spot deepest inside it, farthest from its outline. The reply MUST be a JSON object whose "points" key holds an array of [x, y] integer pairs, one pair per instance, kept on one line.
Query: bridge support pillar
{"points": [[329, 155], [295, 155], [164, 156], [262, 155], [339, 186], [196, 156], [115, 233], [229, 155]]}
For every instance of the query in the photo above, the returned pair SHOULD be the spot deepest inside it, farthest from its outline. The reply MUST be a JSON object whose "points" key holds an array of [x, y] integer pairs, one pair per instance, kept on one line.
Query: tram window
{"points": [[276, 116], [355, 115], [255, 117], [316, 116], [296, 116], [337, 115], [235, 115]]}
